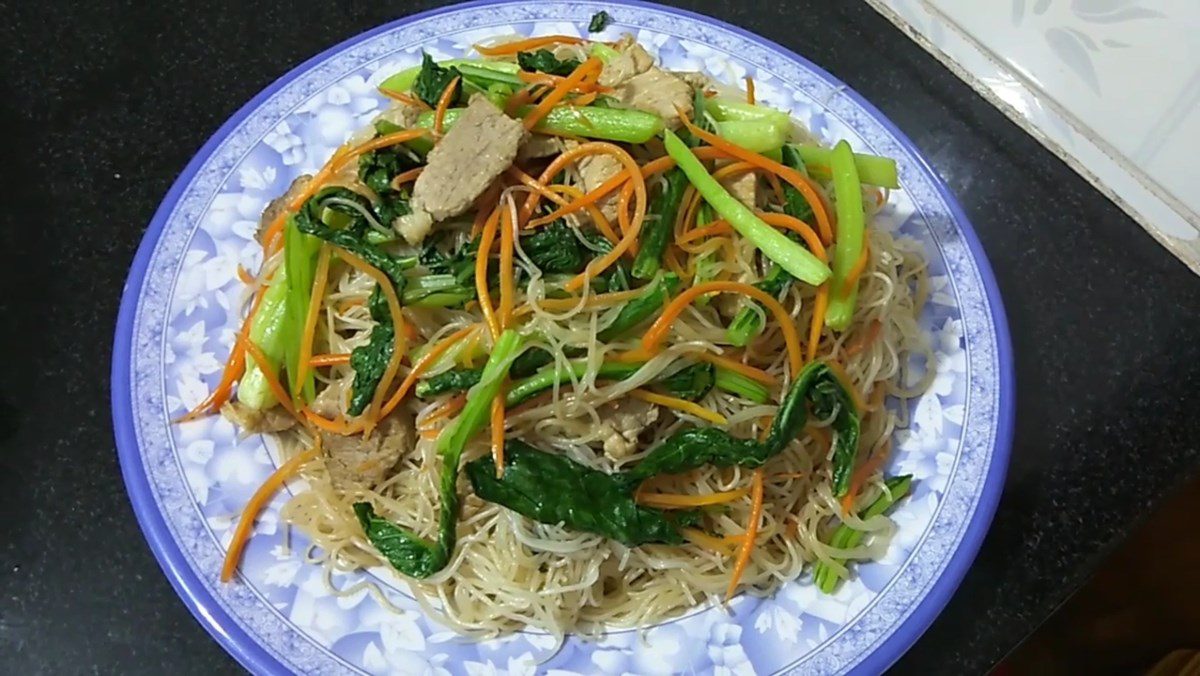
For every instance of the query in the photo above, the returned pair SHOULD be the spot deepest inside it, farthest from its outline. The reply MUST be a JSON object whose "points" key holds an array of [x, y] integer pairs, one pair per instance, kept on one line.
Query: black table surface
{"points": [[104, 102]]}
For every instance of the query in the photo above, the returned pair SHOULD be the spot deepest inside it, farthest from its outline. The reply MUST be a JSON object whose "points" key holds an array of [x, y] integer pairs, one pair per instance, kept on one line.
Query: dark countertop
{"points": [[103, 104]]}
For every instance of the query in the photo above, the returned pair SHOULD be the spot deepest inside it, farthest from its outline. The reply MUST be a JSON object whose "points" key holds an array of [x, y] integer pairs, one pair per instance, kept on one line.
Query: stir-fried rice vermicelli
{"points": [[381, 233]]}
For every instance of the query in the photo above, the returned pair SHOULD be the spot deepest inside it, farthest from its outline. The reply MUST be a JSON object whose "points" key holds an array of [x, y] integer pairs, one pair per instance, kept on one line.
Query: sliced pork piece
{"points": [[694, 78], [278, 205], [539, 145], [633, 60], [481, 144], [252, 421], [621, 423], [744, 188], [354, 462], [659, 92]]}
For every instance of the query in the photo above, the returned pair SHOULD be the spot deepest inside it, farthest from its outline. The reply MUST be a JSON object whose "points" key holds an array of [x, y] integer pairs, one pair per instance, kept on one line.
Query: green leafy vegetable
{"points": [[553, 488], [544, 61], [793, 257], [796, 204], [438, 290], [336, 215], [758, 135], [660, 222], [599, 22], [851, 220], [654, 297], [603, 52], [845, 537], [405, 550], [377, 168], [742, 386], [610, 124], [872, 169], [433, 79], [454, 380], [267, 332], [555, 249], [691, 383], [403, 81], [371, 360]]}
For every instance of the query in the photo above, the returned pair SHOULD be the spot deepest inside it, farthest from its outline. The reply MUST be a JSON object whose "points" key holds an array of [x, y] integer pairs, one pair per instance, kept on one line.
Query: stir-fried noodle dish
{"points": [[571, 341]]}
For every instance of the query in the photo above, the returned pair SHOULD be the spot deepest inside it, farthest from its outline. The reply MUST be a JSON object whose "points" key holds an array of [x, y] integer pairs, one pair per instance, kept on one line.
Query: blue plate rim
{"points": [[250, 654]]}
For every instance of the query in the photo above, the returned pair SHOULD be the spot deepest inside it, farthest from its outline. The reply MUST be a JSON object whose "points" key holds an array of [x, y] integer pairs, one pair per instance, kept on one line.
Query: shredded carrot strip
{"points": [[585, 85], [683, 500], [498, 433], [481, 265], [235, 366], [260, 499], [789, 475], [340, 426], [273, 383], [406, 176], [841, 374], [508, 291], [799, 181], [743, 557], [738, 367], [560, 90], [319, 360], [776, 187], [658, 331], [749, 90], [517, 100], [682, 405], [526, 44], [598, 218], [450, 407], [699, 537], [864, 340], [400, 347], [422, 365], [430, 434], [443, 104], [863, 472], [584, 99], [820, 307], [672, 261], [310, 320], [404, 98], [244, 275]]}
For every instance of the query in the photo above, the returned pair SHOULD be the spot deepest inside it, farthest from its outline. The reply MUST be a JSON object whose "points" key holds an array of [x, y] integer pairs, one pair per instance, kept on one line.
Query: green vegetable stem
{"points": [[632, 314], [660, 222], [847, 190], [791, 256], [609, 124]]}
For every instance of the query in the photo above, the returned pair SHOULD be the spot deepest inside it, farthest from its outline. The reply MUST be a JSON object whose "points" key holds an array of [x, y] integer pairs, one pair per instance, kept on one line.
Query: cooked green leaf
{"points": [[544, 61], [691, 383], [371, 360], [433, 79], [599, 22], [555, 249]]}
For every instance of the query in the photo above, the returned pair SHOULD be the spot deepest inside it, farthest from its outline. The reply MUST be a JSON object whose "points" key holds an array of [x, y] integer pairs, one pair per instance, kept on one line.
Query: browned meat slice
{"points": [[694, 78], [539, 145], [252, 421], [621, 423], [279, 204], [659, 92], [744, 188], [633, 60], [483, 142], [352, 461]]}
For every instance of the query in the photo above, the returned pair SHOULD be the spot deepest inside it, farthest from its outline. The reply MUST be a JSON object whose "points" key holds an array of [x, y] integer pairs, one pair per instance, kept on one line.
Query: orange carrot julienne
{"points": [[820, 307], [527, 44], [723, 545], [244, 275], [319, 360], [406, 176], [340, 426], [450, 407], [310, 320], [443, 104], [481, 265], [683, 500], [683, 405], [598, 218], [404, 98], [235, 366], [743, 557], [559, 92], [799, 181], [497, 421], [747, 370], [422, 365], [273, 384], [658, 331], [255, 505], [721, 226]]}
